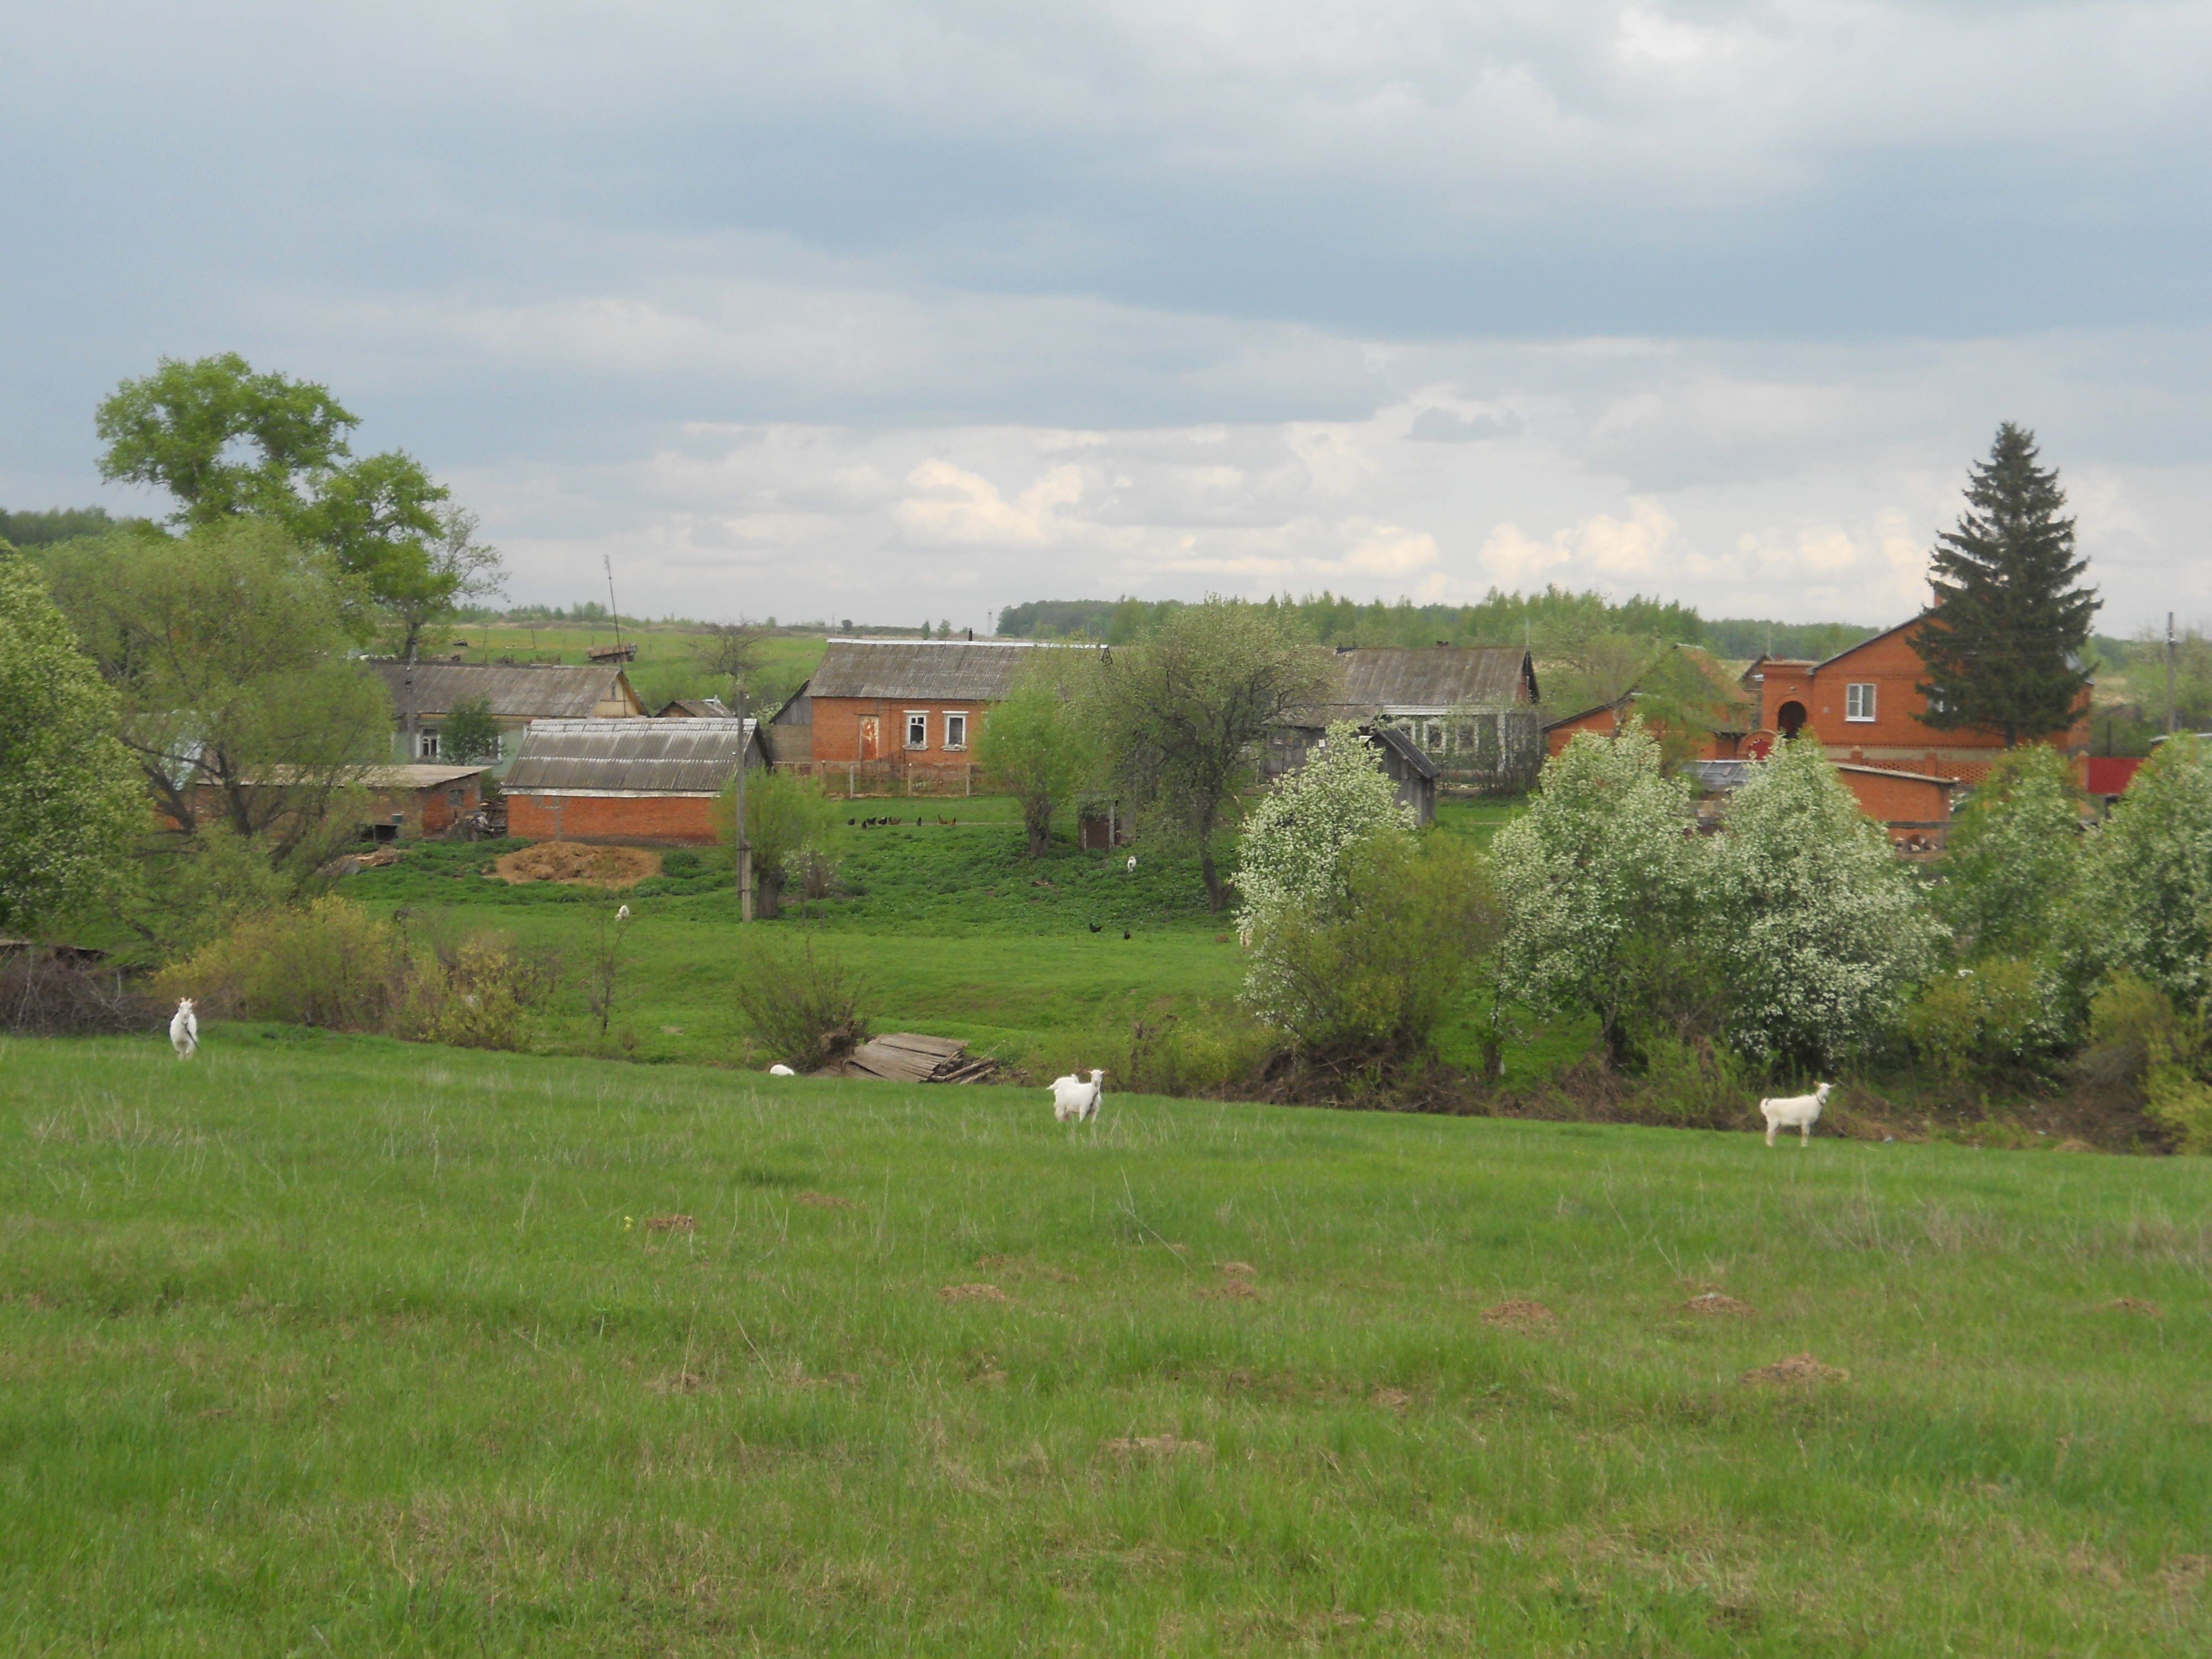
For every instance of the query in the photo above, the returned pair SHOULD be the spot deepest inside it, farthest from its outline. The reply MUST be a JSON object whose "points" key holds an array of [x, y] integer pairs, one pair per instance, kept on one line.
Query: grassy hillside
{"points": [[318, 1345]]}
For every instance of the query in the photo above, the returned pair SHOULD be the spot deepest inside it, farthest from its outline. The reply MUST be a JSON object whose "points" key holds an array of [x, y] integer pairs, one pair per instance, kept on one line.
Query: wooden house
{"points": [[420, 800], [1864, 705], [653, 782], [1470, 710], [518, 693]]}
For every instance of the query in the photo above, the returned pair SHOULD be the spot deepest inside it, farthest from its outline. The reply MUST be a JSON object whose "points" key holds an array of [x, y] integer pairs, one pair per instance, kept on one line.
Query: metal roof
{"points": [[692, 709], [1390, 738], [629, 757], [923, 671], [1426, 680], [517, 691]]}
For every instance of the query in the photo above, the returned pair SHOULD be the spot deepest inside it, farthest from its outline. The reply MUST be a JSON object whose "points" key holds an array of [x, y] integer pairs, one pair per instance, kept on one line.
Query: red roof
{"points": [[2110, 774]]}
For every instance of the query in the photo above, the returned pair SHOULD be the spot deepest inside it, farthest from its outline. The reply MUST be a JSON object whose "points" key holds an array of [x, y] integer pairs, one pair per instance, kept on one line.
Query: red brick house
{"points": [[907, 703], [620, 779], [1722, 721], [1864, 705]]}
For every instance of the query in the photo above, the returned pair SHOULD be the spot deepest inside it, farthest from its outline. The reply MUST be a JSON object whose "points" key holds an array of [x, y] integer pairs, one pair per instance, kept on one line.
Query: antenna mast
{"points": [[608, 564]]}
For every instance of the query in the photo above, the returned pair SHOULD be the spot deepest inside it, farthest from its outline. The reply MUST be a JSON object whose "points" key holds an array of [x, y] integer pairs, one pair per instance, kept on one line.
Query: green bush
{"points": [[803, 1006], [2137, 1034], [681, 862], [1985, 1021]]}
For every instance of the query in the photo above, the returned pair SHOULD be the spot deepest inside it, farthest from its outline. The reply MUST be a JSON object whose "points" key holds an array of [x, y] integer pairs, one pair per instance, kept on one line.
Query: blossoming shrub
{"points": [[1599, 880], [2136, 1035], [1994, 1017], [1296, 845], [1824, 931], [2011, 860], [1365, 983], [2145, 902]]}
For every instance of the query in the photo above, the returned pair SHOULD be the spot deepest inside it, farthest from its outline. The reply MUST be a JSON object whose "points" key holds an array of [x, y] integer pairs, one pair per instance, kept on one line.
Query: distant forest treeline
{"points": [[1553, 620]]}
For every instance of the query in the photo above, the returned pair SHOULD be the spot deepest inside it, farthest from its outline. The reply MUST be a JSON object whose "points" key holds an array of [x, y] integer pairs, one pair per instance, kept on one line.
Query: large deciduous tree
{"points": [[229, 442], [2002, 642], [1035, 744], [1183, 710], [225, 648], [71, 804]]}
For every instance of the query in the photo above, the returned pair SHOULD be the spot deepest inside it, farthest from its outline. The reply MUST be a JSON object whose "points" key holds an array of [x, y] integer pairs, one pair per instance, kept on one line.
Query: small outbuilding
{"points": [[425, 694], [652, 782]]}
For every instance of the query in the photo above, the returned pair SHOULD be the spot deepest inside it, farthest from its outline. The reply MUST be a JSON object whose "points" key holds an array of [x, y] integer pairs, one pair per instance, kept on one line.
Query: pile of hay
{"points": [[574, 862]]}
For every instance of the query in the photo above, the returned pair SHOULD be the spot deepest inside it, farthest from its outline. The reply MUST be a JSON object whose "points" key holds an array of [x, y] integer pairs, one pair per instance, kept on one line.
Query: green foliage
{"points": [[60, 524], [1598, 877], [225, 648], [783, 815], [469, 735], [1365, 978], [1990, 1021], [803, 1006], [1824, 930], [2146, 884], [2137, 1033], [2004, 642], [2146, 661], [2012, 856], [72, 804], [1298, 846], [1182, 711], [1038, 745]]}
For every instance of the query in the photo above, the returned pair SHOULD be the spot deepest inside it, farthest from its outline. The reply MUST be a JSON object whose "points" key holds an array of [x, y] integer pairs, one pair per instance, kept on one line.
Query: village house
{"points": [[1722, 721], [1864, 704], [1913, 808], [1469, 710], [518, 693], [897, 703], [625, 780], [421, 800]]}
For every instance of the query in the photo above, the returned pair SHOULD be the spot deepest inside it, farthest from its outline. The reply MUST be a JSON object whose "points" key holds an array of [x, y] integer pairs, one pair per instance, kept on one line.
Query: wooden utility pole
{"points": [[743, 853], [2169, 673]]}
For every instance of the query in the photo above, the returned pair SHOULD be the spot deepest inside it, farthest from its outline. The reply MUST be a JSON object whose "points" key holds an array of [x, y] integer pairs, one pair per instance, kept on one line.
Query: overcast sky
{"points": [[911, 311]]}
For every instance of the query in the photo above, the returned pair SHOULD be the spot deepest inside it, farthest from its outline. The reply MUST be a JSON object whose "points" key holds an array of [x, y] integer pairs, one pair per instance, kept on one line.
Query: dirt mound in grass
{"points": [[826, 1201], [1798, 1370], [2134, 1304], [1714, 1305], [1235, 1290], [670, 1224], [575, 863], [1526, 1317], [1159, 1445], [972, 1293]]}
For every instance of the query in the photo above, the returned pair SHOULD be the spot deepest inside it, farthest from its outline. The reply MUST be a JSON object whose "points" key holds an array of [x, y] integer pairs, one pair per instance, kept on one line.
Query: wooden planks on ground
{"points": [[910, 1057]]}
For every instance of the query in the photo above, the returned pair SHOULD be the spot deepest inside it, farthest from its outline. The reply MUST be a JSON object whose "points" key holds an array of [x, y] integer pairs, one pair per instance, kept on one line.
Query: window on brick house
{"points": [[955, 730], [917, 728], [1858, 702]]}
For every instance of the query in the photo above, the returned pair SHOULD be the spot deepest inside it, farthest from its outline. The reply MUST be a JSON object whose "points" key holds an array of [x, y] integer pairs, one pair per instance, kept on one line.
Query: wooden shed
{"points": [[1470, 710], [652, 782]]}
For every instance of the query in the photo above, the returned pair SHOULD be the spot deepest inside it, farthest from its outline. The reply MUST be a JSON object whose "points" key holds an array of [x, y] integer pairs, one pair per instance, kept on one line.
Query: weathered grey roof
{"points": [[923, 671], [1433, 679], [628, 756], [517, 691], [1390, 738], [692, 709]]}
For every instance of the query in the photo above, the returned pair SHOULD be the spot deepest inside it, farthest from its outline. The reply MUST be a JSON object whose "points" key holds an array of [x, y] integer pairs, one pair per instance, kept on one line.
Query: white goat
{"points": [[1798, 1112], [781, 1070], [1133, 864], [1074, 1101], [185, 1030]]}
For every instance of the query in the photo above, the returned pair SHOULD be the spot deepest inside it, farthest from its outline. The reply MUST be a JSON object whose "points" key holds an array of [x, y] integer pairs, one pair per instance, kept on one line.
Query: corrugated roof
{"points": [[1432, 679], [692, 709], [517, 691], [922, 671], [628, 756], [1390, 738]]}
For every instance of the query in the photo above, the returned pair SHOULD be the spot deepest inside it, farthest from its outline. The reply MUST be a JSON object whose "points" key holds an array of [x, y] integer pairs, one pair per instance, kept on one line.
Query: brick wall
{"points": [[837, 729], [666, 820]]}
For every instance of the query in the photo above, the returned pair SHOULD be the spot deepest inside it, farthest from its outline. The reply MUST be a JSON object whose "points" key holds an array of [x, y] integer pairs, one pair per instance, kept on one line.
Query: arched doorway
{"points": [[1790, 717]]}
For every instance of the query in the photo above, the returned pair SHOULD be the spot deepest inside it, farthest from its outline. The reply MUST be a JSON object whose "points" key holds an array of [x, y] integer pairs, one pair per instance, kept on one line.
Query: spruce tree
{"points": [[2002, 642]]}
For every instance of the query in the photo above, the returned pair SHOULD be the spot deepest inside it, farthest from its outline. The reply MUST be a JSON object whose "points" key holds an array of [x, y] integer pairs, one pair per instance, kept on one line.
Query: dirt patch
{"points": [[1798, 1370], [1235, 1290], [670, 1224], [1392, 1399], [994, 1261], [678, 1382], [972, 1293], [2136, 1304], [1714, 1305], [1527, 1317], [826, 1201], [1239, 1270], [1158, 1445], [575, 863]]}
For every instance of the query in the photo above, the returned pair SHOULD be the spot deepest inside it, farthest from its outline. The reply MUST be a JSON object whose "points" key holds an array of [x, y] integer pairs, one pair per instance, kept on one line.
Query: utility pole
{"points": [[742, 855], [607, 560], [2169, 673], [408, 726]]}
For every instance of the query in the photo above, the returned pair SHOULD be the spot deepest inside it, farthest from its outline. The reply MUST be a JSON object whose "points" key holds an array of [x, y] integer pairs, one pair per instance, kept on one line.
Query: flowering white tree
{"points": [[2011, 860], [1824, 930], [1298, 839], [2146, 892], [1598, 875]]}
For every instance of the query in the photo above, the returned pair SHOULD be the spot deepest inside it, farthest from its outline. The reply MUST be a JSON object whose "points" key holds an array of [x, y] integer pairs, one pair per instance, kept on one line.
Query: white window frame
{"points": [[1859, 702], [951, 741], [917, 720], [426, 743]]}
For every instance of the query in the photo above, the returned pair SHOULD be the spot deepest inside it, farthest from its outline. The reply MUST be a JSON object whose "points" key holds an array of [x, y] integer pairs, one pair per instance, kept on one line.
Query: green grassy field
{"points": [[327, 1345]]}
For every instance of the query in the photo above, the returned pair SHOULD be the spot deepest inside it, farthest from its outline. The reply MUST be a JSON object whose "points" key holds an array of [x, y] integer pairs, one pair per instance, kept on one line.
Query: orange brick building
{"points": [[914, 702], [654, 781], [1864, 704]]}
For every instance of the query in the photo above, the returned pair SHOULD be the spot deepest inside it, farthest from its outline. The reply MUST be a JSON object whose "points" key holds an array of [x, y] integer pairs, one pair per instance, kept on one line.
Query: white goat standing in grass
{"points": [[185, 1030], [1798, 1112], [1074, 1101], [781, 1070]]}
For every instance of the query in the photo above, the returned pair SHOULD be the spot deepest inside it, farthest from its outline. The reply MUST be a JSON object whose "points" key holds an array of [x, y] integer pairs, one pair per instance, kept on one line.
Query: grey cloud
{"points": [[1441, 426]]}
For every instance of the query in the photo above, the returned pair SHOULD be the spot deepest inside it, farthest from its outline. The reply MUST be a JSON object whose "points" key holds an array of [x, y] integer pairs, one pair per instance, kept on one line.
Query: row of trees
{"points": [[216, 654]]}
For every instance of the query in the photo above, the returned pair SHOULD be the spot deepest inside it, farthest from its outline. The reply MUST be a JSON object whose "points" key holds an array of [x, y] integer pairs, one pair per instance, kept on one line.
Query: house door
{"points": [[870, 736]]}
